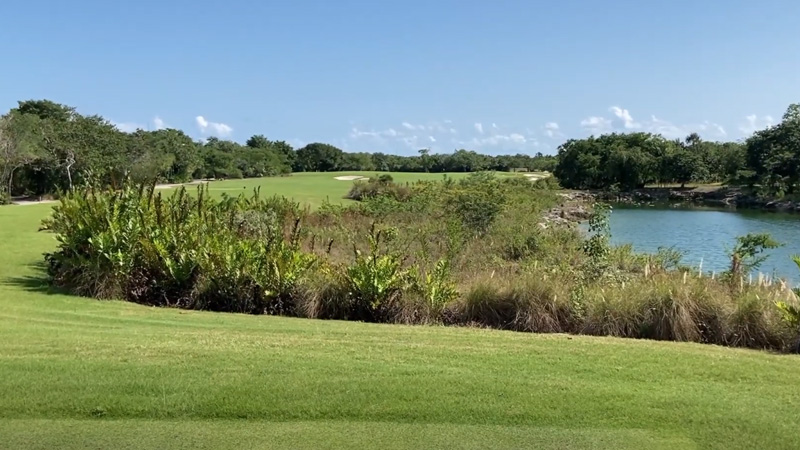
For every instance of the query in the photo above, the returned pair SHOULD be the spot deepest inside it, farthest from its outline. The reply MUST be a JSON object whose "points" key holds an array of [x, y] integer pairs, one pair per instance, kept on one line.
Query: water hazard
{"points": [[706, 235]]}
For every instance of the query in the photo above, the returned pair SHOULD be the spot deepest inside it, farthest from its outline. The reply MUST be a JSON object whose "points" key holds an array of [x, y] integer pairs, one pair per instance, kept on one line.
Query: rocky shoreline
{"points": [[718, 197], [576, 206]]}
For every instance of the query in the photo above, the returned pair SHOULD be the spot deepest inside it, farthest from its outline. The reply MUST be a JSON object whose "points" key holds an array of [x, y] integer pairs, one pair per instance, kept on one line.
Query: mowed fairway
{"points": [[78, 373], [312, 188]]}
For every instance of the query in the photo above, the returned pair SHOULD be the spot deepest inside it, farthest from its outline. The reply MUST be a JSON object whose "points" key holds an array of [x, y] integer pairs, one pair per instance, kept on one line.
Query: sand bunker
{"points": [[174, 185], [536, 176], [350, 178]]}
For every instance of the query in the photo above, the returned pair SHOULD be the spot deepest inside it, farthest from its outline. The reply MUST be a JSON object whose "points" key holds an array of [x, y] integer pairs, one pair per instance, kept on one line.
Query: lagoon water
{"points": [[707, 234]]}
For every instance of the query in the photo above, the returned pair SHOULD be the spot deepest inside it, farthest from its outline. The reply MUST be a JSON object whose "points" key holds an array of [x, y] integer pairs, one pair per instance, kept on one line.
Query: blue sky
{"points": [[497, 77]]}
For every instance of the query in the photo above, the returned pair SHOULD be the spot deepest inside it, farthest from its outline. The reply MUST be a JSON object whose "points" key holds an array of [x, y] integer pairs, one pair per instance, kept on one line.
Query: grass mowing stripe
{"points": [[68, 434]]}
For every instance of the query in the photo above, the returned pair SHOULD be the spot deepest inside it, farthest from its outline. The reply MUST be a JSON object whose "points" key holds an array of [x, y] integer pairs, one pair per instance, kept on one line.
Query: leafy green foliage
{"points": [[319, 157], [187, 251], [380, 186], [436, 288], [376, 280], [477, 201], [597, 246], [791, 313], [746, 256], [631, 161], [774, 155]]}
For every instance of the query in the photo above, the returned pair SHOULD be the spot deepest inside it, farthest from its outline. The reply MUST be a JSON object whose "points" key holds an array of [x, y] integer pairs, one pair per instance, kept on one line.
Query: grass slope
{"points": [[80, 373]]}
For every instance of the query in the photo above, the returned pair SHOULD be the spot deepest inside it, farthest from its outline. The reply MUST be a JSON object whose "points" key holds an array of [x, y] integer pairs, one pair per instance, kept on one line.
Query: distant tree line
{"points": [[768, 161], [46, 147]]}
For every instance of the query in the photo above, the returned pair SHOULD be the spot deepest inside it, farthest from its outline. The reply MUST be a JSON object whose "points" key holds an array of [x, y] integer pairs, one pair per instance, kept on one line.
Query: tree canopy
{"points": [[774, 155], [633, 160]]}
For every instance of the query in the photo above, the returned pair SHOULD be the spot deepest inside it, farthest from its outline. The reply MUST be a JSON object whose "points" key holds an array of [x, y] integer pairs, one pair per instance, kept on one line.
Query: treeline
{"points": [[326, 158], [769, 160], [47, 147]]}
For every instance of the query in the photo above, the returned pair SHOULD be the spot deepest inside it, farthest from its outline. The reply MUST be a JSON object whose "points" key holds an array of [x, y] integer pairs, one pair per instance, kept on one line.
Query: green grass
{"points": [[312, 188], [81, 373]]}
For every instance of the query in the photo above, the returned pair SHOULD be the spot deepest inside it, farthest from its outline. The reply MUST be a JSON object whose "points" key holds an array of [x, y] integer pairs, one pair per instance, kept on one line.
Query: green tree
{"points": [[356, 161], [425, 159], [319, 157], [46, 110], [285, 149], [774, 154], [19, 146], [747, 255], [258, 141]]}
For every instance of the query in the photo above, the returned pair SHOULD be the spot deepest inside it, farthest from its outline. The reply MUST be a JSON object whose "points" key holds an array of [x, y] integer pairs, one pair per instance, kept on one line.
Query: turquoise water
{"points": [[705, 235]]}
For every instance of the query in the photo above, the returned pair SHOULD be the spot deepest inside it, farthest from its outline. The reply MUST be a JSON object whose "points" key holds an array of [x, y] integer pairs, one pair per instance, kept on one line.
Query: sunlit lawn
{"points": [[80, 373], [312, 188]]}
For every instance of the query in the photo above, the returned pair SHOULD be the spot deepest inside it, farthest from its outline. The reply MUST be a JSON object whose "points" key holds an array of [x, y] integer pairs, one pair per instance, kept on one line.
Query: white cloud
{"points": [[551, 129], [453, 131], [432, 126], [158, 123], [517, 138], [432, 139], [712, 128], [498, 139], [596, 124], [494, 126], [355, 133], [754, 123], [213, 128], [625, 116], [130, 127], [673, 131], [670, 130], [666, 128], [479, 127]]}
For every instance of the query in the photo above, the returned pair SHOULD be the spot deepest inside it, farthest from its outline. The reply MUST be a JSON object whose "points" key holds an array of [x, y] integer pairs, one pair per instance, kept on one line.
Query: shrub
{"points": [[597, 247], [236, 254], [477, 209], [533, 304], [376, 280], [660, 308], [435, 290], [379, 187], [755, 322], [746, 256]]}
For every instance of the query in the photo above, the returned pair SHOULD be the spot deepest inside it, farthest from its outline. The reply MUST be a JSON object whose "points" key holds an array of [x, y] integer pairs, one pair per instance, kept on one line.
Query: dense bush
{"points": [[466, 252], [236, 254], [380, 186]]}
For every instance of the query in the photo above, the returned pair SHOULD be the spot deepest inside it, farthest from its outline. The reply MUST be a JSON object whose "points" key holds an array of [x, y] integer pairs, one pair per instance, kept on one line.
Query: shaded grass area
{"points": [[81, 373], [317, 435]]}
